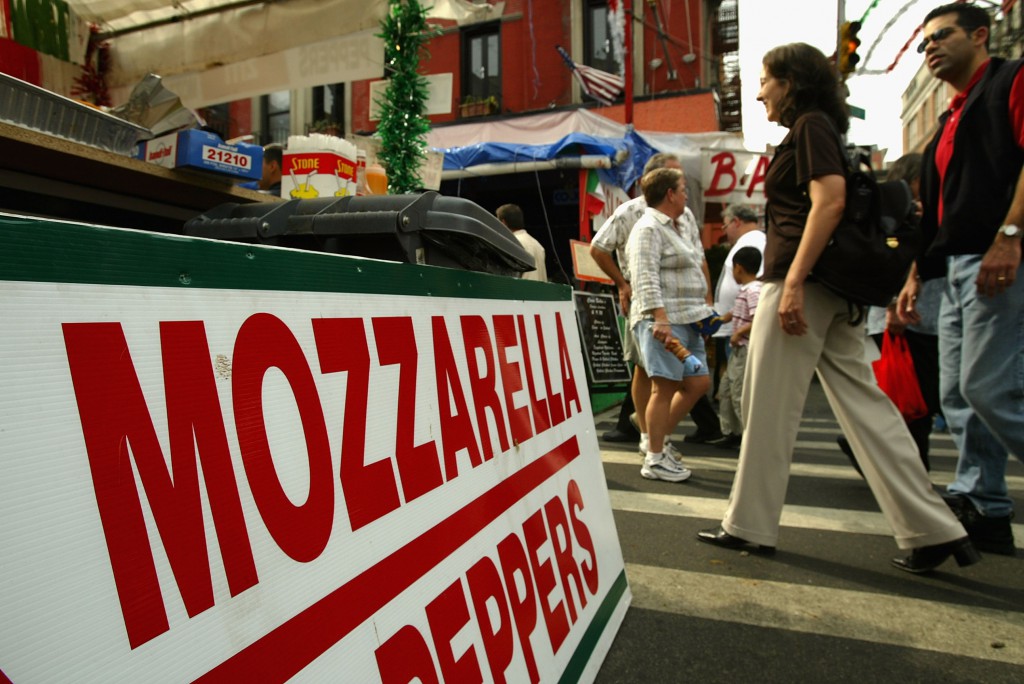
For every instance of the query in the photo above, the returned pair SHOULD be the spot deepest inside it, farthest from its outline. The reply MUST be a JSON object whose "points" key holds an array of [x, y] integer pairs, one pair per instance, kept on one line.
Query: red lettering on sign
{"points": [[456, 427], [583, 537], [485, 396], [554, 401], [499, 642], [515, 568], [418, 465], [286, 649], [371, 490], [119, 433], [446, 615], [405, 657], [561, 544], [118, 430], [760, 172], [723, 180], [544, 577], [496, 604], [569, 389], [301, 531], [511, 378], [538, 405]]}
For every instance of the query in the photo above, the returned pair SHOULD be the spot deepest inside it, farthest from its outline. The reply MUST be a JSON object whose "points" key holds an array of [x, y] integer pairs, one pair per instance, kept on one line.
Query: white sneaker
{"points": [[673, 453], [662, 467], [668, 450]]}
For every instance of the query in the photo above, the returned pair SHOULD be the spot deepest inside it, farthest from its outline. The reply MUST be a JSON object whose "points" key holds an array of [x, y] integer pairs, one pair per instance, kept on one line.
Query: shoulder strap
{"points": [[842, 144]]}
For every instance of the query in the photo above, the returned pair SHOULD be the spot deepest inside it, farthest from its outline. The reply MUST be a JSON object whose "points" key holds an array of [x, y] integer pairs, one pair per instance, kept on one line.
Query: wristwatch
{"points": [[1010, 231]]}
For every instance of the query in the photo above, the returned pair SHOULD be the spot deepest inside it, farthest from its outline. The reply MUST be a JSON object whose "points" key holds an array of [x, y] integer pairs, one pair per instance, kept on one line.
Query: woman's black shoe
{"points": [[719, 537], [700, 437], [617, 435], [927, 558]]}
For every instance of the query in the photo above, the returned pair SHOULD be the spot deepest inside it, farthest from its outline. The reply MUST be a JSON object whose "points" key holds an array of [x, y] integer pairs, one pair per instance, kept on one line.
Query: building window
{"points": [[597, 40], [277, 117], [329, 106], [481, 62], [914, 129]]}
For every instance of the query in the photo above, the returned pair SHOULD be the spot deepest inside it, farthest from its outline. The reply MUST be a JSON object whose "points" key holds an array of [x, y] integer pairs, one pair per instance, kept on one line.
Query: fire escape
{"points": [[725, 43]]}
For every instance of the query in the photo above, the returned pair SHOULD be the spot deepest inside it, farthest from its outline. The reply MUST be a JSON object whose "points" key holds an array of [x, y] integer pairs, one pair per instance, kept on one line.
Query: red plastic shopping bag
{"points": [[897, 378]]}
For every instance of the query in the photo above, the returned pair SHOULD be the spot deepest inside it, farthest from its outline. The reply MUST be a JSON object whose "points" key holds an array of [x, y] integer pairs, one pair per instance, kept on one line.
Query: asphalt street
{"points": [[827, 607]]}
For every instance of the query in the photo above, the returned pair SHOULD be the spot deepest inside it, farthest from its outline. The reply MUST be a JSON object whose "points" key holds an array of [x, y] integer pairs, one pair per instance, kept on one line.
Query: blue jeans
{"points": [[981, 382]]}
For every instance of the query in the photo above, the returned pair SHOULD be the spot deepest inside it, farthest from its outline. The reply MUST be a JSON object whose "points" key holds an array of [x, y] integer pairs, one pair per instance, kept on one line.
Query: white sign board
{"points": [[228, 463], [734, 176]]}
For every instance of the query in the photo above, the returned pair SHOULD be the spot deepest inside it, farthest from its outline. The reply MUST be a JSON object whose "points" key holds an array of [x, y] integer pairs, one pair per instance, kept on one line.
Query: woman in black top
{"points": [[801, 328]]}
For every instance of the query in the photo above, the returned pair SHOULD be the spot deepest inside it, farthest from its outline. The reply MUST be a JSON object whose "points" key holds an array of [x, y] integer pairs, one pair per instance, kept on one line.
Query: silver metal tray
{"points": [[30, 106]]}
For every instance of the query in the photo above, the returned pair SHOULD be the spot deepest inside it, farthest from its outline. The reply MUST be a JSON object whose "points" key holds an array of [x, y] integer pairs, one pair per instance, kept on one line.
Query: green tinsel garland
{"points": [[403, 124]]}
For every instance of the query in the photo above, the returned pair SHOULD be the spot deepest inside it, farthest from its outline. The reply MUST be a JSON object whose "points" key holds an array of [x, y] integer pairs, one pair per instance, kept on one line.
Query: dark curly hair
{"points": [[813, 81]]}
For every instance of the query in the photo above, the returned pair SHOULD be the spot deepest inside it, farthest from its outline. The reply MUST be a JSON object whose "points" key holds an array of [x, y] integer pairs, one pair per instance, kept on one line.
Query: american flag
{"points": [[600, 85]]}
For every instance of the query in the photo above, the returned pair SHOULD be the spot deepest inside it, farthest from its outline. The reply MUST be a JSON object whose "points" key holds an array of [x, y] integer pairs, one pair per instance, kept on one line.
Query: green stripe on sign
{"points": [[39, 250], [585, 651]]}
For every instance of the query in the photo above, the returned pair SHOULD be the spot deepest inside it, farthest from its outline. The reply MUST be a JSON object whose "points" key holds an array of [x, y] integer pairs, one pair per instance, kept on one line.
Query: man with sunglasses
{"points": [[972, 188]]}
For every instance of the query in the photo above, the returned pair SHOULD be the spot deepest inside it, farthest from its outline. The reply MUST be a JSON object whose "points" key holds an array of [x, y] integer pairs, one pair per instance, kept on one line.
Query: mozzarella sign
{"points": [[226, 462]]}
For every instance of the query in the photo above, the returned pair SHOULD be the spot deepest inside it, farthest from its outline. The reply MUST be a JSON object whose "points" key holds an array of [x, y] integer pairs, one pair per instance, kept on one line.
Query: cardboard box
{"points": [[206, 151]]}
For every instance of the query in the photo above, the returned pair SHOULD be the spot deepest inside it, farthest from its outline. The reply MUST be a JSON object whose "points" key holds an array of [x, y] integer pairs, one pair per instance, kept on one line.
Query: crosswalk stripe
{"points": [[805, 517], [842, 471], [967, 631]]}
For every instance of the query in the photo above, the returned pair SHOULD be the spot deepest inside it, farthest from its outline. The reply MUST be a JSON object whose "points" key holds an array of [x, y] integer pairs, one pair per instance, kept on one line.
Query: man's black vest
{"points": [[982, 172]]}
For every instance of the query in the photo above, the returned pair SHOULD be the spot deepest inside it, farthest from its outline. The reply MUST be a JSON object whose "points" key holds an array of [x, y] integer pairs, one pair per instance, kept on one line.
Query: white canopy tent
{"points": [[211, 51], [548, 127]]}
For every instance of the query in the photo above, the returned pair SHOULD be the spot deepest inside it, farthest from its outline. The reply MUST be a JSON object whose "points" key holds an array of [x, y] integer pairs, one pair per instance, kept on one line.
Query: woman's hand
{"points": [[906, 303], [625, 294], [662, 330], [791, 309], [893, 324]]}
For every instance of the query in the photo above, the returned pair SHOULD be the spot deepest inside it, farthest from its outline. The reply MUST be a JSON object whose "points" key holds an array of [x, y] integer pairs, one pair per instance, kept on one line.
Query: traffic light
{"points": [[848, 44]]}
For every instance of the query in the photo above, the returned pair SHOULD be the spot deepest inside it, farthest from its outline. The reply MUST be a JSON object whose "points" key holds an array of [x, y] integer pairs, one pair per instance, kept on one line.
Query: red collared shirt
{"points": [[944, 150]]}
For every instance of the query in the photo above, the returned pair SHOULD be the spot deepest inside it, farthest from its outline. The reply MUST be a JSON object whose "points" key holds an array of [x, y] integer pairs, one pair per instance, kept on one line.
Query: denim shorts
{"points": [[661, 363]]}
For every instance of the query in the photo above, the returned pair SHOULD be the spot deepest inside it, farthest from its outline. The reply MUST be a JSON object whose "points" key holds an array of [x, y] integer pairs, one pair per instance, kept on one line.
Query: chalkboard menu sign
{"points": [[599, 333]]}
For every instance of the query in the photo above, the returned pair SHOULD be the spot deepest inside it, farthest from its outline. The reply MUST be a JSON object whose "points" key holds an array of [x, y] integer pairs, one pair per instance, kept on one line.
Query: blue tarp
{"points": [[632, 149]]}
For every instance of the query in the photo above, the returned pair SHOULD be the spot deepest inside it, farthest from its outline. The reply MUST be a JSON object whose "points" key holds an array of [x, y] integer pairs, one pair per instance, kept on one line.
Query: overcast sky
{"points": [[767, 23]]}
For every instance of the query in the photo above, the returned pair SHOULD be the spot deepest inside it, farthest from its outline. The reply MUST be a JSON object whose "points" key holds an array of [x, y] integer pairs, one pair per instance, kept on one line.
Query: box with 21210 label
{"points": [[205, 151]]}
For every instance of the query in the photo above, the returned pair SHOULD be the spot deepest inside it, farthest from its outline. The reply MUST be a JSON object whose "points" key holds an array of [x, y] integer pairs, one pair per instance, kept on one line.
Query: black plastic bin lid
{"points": [[416, 228]]}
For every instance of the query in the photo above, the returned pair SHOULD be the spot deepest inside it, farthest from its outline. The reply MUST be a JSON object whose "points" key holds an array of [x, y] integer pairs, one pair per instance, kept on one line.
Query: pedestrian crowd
{"points": [[774, 326]]}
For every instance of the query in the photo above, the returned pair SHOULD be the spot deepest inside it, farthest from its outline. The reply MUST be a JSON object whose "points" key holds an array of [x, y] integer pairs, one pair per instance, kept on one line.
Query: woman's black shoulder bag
{"points": [[868, 256]]}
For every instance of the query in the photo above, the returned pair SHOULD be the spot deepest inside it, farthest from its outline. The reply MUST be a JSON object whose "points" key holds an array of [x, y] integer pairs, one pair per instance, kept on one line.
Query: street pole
{"points": [[840, 18], [627, 55]]}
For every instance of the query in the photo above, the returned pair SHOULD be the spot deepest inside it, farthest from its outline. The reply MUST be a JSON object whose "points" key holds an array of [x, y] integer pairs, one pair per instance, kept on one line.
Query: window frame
{"points": [[269, 116], [493, 81], [590, 50]]}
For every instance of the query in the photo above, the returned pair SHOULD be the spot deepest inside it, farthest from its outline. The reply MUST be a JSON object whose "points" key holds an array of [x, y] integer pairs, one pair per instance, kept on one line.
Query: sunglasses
{"points": [[937, 35]]}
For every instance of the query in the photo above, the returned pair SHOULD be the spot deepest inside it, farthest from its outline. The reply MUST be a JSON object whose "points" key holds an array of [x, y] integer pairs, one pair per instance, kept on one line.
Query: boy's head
{"points": [[511, 215], [273, 156], [745, 264]]}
